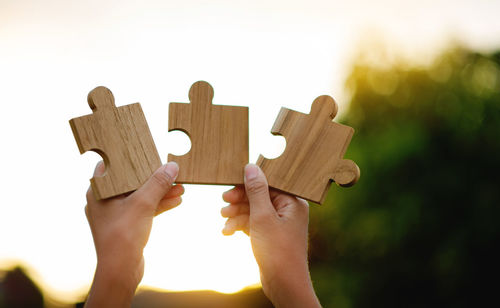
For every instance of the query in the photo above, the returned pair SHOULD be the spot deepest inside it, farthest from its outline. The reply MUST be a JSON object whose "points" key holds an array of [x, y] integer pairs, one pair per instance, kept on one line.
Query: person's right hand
{"points": [[277, 224]]}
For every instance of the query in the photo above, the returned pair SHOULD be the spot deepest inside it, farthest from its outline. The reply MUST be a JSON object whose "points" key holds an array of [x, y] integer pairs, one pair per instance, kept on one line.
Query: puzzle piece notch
{"points": [[122, 138], [313, 156], [219, 138]]}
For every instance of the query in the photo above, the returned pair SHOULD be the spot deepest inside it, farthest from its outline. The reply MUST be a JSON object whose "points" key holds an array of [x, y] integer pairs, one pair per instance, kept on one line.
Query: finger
{"points": [[167, 204], [175, 191], [235, 195], [87, 213], [281, 199], [157, 186], [236, 223], [257, 191], [100, 169], [89, 218], [303, 206], [90, 195], [233, 210], [274, 192], [303, 202]]}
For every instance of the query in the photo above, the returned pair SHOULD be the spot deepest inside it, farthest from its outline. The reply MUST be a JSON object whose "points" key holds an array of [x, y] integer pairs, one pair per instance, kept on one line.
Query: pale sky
{"points": [[261, 54]]}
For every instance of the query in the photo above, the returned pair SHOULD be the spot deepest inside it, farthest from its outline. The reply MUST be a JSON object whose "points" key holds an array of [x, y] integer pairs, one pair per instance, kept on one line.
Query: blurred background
{"points": [[418, 81]]}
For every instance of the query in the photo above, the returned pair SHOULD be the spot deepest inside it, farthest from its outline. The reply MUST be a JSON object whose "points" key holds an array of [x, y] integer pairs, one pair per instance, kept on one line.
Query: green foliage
{"points": [[420, 227]]}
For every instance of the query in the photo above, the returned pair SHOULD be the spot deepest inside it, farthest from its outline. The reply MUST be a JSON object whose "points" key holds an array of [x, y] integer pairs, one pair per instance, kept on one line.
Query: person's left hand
{"points": [[120, 227]]}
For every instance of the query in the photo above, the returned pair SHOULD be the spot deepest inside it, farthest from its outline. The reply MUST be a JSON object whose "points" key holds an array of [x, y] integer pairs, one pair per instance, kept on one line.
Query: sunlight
{"points": [[265, 55], [187, 250]]}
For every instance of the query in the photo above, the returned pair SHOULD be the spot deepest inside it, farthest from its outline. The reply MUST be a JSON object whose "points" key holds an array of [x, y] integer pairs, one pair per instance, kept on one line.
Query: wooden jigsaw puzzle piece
{"points": [[122, 137], [313, 156], [219, 138]]}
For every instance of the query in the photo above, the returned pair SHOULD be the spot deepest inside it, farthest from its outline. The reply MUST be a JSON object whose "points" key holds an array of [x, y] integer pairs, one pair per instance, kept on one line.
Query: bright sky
{"points": [[263, 54]]}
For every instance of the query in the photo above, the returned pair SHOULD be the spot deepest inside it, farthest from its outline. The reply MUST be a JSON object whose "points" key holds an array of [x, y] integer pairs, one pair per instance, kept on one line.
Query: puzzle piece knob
{"points": [[101, 98], [346, 173], [201, 91], [324, 106]]}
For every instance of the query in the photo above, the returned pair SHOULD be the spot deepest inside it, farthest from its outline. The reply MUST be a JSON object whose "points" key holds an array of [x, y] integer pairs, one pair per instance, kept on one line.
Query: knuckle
{"points": [[162, 179], [90, 194], [140, 201], [282, 199], [144, 204], [303, 205], [256, 187]]}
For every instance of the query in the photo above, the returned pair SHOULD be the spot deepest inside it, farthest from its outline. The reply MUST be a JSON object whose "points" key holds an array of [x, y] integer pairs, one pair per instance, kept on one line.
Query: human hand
{"points": [[277, 224], [120, 228]]}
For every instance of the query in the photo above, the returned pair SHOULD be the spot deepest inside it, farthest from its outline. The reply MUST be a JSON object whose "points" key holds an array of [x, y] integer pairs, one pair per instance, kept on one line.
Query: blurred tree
{"points": [[420, 227], [18, 290]]}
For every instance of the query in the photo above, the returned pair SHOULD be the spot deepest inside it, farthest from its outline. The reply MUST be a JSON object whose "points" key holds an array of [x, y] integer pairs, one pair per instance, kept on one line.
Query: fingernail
{"points": [[172, 170], [251, 171]]}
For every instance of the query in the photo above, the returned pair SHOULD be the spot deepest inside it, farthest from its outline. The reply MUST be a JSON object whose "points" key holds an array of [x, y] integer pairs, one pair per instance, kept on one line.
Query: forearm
{"points": [[110, 289], [292, 288]]}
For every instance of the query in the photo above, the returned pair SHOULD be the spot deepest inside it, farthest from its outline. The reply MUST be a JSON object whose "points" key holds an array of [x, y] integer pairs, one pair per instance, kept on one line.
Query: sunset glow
{"points": [[261, 54]]}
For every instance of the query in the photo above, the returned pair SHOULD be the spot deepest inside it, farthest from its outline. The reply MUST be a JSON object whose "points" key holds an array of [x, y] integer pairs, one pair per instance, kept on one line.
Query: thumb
{"points": [[257, 191], [157, 186]]}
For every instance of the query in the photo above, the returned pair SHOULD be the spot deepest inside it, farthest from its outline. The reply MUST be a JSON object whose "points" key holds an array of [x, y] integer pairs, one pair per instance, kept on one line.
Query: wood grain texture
{"points": [[122, 137], [219, 138], [313, 155]]}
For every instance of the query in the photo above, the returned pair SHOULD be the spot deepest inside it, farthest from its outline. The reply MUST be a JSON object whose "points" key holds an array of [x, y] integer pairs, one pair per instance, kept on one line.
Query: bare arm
{"points": [[120, 228], [277, 224]]}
